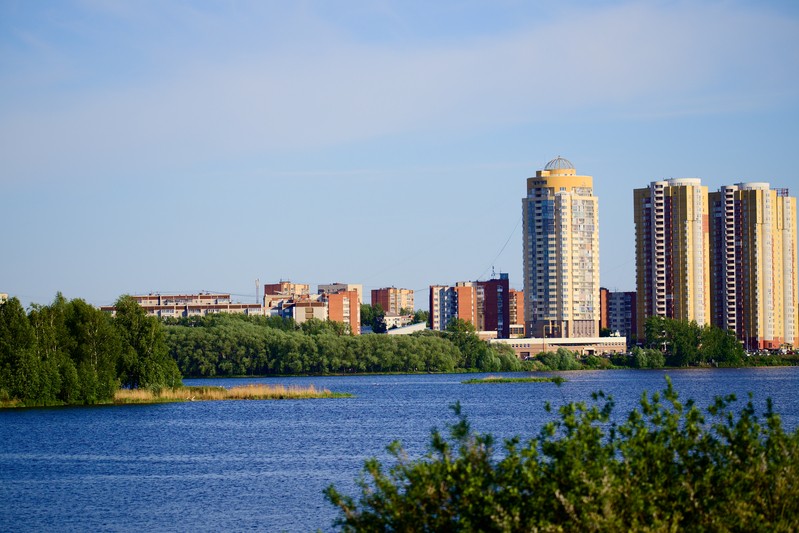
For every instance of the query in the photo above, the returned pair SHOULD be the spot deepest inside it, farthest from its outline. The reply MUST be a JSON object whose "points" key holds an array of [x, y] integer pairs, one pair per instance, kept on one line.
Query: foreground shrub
{"points": [[665, 468]]}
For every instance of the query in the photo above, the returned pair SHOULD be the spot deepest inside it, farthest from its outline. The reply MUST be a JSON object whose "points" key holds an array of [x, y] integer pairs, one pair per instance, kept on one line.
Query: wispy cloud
{"points": [[263, 95]]}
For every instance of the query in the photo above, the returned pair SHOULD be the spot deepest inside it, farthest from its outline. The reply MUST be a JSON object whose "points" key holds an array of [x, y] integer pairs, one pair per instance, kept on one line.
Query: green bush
{"points": [[665, 468]]}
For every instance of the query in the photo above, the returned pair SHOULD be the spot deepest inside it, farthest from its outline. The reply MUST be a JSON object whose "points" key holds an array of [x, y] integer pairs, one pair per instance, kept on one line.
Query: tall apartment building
{"points": [[516, 313], [672, 251], [493, 306], [754, 264], [392, 300], [443, 306], [621, 313], [561, 253], [333, 288], [344, 306], [484, 304]]}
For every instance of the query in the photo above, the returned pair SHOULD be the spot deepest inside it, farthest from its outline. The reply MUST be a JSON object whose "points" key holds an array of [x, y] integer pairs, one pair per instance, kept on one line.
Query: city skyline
{"points": [[187, 147]]}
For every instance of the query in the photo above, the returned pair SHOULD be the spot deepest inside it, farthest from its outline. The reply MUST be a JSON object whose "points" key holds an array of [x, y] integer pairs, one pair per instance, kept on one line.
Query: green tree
{"points": [[420, 317], [373, 316], [145, 360], [96, 350], [666, 467], [20, 369], [720, 346]]}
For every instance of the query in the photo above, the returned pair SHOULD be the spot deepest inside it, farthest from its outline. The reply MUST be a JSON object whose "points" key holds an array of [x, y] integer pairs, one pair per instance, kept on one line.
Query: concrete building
{"points": [[344, 306], [493, 306], [392, 299], [672, 251], [484, 304], [186, 305], [516, 313], [394, 321], [333, 288], [561, 253], [443, 306], [284, 290], [302, 309], [603, 308], [754, 264], [530, 347], [3, 297], [619, 308]]}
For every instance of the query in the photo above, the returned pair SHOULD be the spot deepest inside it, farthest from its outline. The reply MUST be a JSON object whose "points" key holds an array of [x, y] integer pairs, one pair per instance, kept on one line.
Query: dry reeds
{"points": [[242, 392]]}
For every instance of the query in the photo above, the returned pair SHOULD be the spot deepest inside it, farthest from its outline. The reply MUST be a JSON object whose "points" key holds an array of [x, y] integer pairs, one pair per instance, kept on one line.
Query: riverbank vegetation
{"points": [[227, 345], [243, 392], [70, 352], [666, 467]]}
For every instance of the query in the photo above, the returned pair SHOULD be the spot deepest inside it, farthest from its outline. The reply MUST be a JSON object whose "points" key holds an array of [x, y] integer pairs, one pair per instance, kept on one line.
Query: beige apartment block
{"points": [[284, 290], [392, 299], [516, 312], [189, 304], [754, 273], [3, 297], [672, 251], [561, 253], [333, 288]]}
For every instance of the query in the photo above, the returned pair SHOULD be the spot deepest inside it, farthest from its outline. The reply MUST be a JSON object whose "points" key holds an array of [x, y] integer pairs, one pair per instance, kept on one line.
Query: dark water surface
{"points": [[262, 465]]}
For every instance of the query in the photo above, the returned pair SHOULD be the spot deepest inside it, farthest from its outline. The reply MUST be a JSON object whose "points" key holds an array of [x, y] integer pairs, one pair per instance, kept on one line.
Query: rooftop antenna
{"points": [[493, 272]]}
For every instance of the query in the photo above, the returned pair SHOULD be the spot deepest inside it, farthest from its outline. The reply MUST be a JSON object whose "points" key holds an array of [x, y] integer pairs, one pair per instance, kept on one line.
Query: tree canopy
{"points": [[70, 352], [686, 343], [667, 467]]}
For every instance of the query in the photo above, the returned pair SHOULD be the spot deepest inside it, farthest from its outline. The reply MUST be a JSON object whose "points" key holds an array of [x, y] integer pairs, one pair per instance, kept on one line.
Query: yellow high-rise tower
{"points": [[561, 253], [755, 264], [672, 251]]}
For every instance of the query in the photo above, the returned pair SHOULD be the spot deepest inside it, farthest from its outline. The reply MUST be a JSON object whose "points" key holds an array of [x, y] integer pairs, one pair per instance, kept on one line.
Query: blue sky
{"points": [[185, 146]]}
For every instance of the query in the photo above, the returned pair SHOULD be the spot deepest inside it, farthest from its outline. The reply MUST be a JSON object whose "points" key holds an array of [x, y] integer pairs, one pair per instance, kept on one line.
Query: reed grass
{"points": [[242, 392], [499, 379]]}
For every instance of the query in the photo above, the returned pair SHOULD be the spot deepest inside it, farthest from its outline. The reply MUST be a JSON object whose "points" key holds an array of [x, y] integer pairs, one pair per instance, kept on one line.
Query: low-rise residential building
{"points": [[393, 320], [530, 347], [189, 304], [300, 310], [3, 297]]}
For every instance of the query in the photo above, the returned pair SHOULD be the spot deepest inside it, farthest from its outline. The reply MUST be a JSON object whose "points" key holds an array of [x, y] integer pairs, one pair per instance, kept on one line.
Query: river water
{"points": [[262, 465]]}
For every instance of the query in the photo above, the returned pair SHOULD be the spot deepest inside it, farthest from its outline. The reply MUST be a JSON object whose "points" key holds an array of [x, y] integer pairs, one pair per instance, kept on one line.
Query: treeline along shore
{"points": [[223, 345], [69, 352]]}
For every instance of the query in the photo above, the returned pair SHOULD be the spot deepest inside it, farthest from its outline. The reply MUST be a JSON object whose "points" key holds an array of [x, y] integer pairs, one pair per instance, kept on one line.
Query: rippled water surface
{"points": [[262, 465]]}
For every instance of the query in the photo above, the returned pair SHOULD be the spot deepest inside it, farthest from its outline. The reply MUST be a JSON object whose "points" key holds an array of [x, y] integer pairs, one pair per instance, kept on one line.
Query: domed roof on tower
{"points": [[559, 163]]}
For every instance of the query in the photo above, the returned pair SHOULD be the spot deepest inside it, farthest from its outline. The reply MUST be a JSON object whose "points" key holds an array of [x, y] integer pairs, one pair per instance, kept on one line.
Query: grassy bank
{"points": [[244, 392], [199, 394]]}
